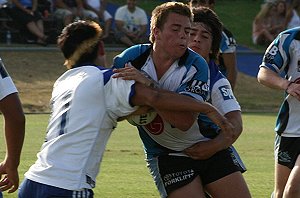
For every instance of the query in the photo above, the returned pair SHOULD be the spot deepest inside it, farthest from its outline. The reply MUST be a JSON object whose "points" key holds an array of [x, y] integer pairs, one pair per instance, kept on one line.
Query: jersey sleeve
{"points": [[6, 83], [119, 96], [228, 42], [222, 97], [276, 56]]}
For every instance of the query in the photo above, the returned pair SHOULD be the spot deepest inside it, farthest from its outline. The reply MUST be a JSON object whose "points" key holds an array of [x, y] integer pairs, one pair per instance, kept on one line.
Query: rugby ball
{"points": [[143, 119]]}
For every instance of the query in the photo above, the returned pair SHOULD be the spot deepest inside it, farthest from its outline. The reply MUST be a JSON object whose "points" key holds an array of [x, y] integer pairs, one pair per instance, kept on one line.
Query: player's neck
{"points": [[162, 62]]}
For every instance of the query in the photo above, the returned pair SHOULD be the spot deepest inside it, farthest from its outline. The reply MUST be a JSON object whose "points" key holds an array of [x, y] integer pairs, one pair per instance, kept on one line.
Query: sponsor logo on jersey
{"points": [[269, 57], [156, 127], [226, 92], [197, 87]]}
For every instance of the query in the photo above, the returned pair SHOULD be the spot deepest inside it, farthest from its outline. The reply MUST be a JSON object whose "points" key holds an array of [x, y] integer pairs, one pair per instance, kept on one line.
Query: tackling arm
{"points": [[14, 119], [162, 100]]}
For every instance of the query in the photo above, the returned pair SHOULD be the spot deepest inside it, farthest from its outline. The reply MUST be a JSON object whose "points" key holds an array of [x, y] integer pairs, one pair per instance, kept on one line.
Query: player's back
{"points": [[78, 111]]}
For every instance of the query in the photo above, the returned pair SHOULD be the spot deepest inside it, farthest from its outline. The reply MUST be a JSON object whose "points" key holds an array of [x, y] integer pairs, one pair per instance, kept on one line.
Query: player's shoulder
{"points": [[191, 58], [134, 54]]}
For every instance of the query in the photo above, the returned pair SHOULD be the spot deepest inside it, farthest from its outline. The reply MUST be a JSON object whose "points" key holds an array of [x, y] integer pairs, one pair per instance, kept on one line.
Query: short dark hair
{"points": [[79, 42], [210, 19]]}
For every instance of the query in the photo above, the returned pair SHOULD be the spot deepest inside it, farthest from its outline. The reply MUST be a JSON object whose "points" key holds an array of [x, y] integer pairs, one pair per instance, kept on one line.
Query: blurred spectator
{"points": [[279, 17], [25, 13], [66, 11], [131, 24], [100, 14], [268, 22], [227, 57], [293, 14]]}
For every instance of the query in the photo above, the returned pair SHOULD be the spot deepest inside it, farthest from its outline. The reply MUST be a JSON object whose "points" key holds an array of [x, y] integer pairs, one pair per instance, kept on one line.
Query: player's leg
{"points": [[292, 187], [286, 155], [223, 177], [174, 177], [281, 176], [230, 186], [192, 190]]}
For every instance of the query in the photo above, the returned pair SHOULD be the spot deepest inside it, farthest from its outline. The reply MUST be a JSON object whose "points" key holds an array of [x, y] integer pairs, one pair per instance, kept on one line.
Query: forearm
{"points": [[14, 136], [179, 119], [14, 127], [271, 79]]}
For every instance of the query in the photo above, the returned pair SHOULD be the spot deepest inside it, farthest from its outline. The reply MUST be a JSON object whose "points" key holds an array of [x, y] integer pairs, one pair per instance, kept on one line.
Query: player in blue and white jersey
{"points": [[165, 141], [227, 56], [86, 103], [14, 131], [204, 39], [282, 58]]}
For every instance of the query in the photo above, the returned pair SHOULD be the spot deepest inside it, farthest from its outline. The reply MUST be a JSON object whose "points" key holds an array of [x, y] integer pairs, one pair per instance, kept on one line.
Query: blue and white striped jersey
{"points": [[85, 103], [189, 75], [220, 96], [283, 56]]}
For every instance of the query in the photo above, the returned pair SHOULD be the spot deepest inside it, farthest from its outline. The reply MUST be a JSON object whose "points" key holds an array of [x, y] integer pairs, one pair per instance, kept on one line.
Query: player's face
{"points": [[200, 40], [173, 36]]}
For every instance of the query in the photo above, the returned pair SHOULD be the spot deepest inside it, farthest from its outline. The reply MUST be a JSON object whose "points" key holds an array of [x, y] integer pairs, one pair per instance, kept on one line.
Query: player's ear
{"points": [[156, 33]]}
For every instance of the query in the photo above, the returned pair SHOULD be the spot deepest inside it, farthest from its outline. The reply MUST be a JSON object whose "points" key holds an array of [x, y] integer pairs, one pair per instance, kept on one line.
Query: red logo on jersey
{"points": [[156, 127]]}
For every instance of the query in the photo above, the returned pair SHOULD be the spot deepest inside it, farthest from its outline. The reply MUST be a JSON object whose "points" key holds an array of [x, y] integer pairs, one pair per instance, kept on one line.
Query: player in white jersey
{"points": [[14, 131], [282, 59], [86, 103], [164, 141]]}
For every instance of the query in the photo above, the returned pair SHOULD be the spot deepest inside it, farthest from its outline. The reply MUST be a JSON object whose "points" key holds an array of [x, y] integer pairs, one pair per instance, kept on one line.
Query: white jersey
{"points": [[132, 20], [7, 86], [283, 56], [86, 103]]}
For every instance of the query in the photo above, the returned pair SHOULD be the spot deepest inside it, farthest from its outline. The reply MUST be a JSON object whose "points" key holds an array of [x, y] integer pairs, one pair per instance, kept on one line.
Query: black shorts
{"points": [[178, 171], [289, 149]]}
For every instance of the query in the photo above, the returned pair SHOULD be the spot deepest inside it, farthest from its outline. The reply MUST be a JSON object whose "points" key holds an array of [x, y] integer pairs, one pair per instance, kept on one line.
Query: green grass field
{"points": [[124, 173]]}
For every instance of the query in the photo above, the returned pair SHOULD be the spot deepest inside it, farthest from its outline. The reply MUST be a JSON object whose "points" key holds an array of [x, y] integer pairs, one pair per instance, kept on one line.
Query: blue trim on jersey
{"points": [[107, 76], [3, 71], [207, 127], [130, 55], [282, 118], [132, 93]]}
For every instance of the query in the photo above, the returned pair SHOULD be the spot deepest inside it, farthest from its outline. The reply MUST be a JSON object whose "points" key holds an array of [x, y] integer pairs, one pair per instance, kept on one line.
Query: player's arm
{"points": [[162, 100], [231, 68], [182, 120], [206, 149], [14, 120], [272, 80]]}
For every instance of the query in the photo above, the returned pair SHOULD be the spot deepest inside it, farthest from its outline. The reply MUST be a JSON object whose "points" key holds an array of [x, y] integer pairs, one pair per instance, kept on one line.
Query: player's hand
{"points": [[9, 178], [131, 73], [294, 89], [227, 135], [201, 150]]}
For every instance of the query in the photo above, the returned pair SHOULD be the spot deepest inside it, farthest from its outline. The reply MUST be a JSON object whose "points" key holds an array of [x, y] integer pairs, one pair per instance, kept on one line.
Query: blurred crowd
{"points": [[30, 16], [274, 17]]}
